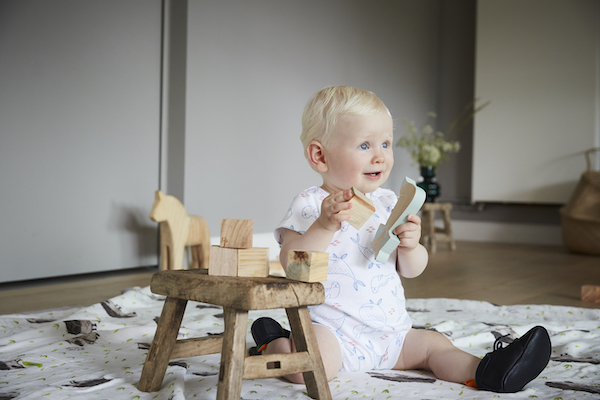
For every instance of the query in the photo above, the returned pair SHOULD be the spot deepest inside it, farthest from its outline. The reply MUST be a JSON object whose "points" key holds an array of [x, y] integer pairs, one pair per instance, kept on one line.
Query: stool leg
{"points": [[305, 340], [159, 355], [424, 229], [431, 228], [233, 355], [448, 229]]}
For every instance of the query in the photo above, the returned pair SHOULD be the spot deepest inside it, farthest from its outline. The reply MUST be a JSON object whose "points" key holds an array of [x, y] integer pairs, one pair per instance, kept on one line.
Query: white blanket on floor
{"points": [[97, 352]]}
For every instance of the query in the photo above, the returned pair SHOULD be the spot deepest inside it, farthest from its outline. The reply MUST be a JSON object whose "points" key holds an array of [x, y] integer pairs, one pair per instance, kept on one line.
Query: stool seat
{"points": [[235, 292]]}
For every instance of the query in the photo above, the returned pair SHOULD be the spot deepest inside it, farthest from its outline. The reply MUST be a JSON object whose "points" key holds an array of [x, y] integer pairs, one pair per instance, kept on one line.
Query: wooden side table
{"points": [[432, 234]]}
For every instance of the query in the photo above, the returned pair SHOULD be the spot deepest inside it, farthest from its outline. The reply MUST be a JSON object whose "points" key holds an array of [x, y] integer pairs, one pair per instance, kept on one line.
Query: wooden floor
{"points": [[498, 273], [507, 274], [69, 292]]}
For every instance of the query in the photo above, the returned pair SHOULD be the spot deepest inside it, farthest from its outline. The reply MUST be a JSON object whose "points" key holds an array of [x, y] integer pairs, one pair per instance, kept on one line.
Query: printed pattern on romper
{"points": [[364, 305]]}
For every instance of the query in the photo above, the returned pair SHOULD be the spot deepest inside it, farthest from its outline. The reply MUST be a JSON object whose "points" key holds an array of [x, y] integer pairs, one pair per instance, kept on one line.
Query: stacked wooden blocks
{"points": [[235, 256]]}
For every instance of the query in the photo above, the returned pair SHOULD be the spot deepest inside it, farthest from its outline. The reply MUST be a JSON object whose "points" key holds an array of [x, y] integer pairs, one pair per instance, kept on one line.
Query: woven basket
{"points": [[581, 215]]}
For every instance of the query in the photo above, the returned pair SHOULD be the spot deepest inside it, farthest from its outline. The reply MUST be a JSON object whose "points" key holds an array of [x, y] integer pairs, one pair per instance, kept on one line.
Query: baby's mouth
{"points": [[373, 174]]}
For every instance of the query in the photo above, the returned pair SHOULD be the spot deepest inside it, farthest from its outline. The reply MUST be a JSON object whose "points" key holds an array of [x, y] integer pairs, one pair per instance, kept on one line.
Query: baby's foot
{"points": [[508, 369], [265, 330]]}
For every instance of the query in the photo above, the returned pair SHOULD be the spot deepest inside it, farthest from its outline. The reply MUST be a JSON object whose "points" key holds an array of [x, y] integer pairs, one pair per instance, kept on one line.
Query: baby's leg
{"points": [[434, 352], [329, 347]]}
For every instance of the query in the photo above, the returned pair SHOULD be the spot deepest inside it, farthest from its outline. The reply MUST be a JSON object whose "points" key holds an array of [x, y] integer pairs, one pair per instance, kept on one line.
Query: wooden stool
{"points": [[431, 234], [236, 296]]}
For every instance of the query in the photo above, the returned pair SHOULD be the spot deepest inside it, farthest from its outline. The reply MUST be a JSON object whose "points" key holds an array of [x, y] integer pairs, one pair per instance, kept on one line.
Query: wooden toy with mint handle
{"points": [[410, 201]]}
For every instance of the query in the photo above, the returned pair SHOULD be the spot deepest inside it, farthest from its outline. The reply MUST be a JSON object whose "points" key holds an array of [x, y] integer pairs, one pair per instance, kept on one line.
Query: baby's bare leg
{"points": [[331, 354], [434, 352]]}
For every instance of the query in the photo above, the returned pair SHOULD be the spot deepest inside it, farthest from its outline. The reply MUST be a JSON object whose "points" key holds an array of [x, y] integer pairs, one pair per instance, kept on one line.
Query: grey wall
{"points": [[84, 119], [79, 135], [455, 90], [456, 175], [539, 62], [253, 65], [173, 97]]}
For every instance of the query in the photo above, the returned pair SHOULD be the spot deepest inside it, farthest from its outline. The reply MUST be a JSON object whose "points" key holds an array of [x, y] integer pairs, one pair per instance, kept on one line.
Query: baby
{"points": [[363, 325]]}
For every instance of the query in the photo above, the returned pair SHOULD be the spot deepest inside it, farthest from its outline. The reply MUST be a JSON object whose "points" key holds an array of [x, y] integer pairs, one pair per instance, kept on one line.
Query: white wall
{"points": [[253, 65], [79, 135], [538, 62]]}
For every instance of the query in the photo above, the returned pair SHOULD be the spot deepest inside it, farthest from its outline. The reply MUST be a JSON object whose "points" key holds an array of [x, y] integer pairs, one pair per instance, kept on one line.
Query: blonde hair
{"points": [[326, 106]]}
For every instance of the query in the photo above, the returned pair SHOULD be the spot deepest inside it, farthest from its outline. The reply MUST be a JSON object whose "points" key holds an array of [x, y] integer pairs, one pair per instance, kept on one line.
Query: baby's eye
{"points": [[364, 146], [385, 145]]}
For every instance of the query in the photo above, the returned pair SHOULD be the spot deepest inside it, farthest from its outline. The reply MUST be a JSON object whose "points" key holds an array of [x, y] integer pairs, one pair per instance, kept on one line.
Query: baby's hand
{"points": [[330, 218], [409, 233]]}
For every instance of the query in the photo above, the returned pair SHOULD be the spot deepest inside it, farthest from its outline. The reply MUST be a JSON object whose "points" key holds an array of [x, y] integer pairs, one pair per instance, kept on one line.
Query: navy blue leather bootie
{"points": [[508, 369], [264, 330]]}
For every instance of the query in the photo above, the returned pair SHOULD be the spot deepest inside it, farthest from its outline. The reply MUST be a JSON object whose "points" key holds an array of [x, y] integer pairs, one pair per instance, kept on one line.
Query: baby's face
{"points": [[360, 152]]}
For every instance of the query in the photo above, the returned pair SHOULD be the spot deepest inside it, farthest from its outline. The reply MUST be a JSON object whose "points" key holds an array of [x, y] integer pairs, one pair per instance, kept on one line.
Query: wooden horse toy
{"points": [[177, 230]]}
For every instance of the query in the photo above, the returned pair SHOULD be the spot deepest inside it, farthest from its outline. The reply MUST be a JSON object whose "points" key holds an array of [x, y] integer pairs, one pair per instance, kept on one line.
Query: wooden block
{"points": [[410, 200], [275, 269], [361, 211], [590, 294], [236, 233], [253, 262], [223, 261], [307, 266]]}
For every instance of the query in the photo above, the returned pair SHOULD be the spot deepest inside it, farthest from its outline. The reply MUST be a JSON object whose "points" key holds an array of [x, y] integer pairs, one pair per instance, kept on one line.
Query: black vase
{"points": [[429, 184]]}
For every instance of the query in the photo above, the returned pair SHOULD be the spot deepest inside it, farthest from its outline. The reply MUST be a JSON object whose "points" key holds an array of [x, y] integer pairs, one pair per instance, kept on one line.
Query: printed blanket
{"points": [[97, 352]]}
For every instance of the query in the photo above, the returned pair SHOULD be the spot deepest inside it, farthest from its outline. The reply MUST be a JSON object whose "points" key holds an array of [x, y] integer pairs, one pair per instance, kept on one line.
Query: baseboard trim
{"points": [[477, 231]]}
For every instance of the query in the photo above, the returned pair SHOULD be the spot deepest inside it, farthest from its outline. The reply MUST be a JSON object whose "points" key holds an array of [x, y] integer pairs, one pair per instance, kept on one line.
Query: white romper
{"points": [[364, 300]]}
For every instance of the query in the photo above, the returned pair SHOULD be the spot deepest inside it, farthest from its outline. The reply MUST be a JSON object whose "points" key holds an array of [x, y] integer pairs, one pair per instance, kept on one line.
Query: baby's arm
{"points": [[412, 256], [319, 235]]}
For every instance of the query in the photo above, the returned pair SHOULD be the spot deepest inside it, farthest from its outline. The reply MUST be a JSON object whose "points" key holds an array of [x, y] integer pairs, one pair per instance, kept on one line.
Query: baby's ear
{"points": [[315, 153]]}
